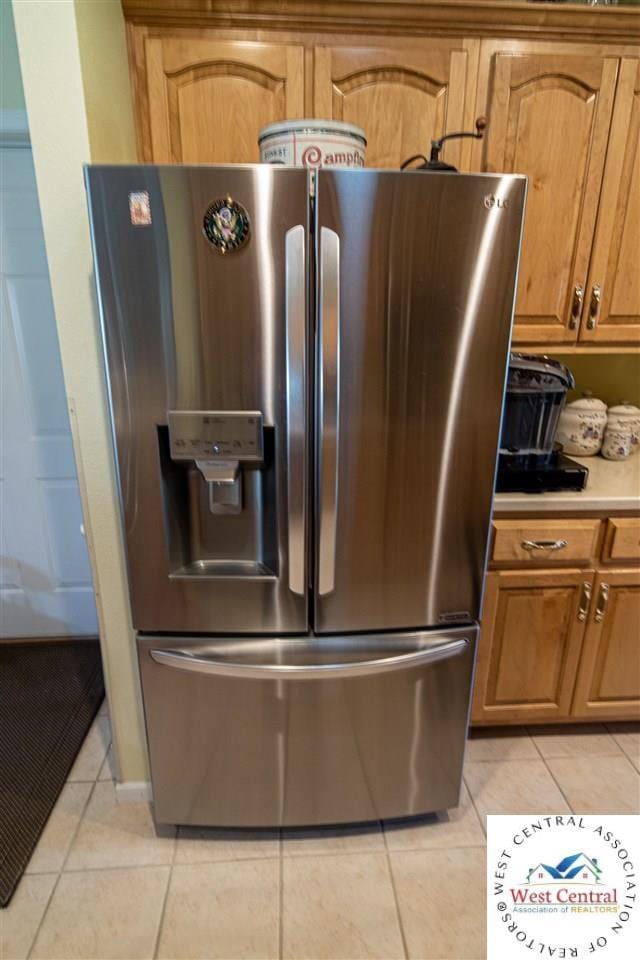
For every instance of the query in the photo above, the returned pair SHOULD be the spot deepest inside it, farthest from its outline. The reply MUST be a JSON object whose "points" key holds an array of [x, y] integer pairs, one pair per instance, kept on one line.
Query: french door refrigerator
{"points": [[306, 403]]}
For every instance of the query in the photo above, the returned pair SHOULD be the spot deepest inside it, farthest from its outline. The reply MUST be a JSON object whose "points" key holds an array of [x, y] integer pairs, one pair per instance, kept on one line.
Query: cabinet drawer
{"points": [[622, 539], [544, 541]]}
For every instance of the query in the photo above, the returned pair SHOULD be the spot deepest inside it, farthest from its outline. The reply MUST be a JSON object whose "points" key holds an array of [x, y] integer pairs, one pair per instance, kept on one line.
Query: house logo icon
{"points": [[577, 868]]}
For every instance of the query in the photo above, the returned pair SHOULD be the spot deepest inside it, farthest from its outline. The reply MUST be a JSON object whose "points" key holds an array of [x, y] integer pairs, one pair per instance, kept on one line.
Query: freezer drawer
{"points": [[268, 732]]}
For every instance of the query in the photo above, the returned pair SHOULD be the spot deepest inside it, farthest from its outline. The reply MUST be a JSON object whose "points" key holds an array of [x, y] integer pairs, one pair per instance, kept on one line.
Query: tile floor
{"points": [[101, 884]]}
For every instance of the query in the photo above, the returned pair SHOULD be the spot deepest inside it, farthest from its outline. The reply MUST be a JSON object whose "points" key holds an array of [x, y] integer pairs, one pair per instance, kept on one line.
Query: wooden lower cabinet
{"points": [[532, 631], [608, 681], [559, 644]]}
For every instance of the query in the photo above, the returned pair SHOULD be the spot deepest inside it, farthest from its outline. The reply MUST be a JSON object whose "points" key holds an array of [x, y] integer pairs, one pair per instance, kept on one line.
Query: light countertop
{"points": [[612, 485]]}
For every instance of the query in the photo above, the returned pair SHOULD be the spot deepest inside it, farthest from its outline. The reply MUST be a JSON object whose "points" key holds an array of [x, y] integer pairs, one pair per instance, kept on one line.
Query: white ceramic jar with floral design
{"points": [[581, 426], [622, 436]]}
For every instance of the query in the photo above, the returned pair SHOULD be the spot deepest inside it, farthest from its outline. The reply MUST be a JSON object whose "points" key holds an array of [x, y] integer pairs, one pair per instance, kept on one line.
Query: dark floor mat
{"points": [[50, 691]]}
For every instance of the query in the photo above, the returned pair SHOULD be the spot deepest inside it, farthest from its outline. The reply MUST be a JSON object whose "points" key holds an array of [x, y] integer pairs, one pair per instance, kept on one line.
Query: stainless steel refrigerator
{"points": [[306, 404]]}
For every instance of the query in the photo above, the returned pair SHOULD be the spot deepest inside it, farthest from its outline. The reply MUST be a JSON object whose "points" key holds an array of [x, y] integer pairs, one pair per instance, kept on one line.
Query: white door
{"points": [[45, 579]]}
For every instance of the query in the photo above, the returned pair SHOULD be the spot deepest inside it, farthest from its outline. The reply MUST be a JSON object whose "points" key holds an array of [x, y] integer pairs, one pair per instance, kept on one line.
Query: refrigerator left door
{"points": [[202, 285]]}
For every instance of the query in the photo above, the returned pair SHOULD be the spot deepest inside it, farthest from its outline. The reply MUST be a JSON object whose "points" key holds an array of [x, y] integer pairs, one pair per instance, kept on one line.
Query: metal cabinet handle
{"points": [[601, 603], [585, 601], [576, 306], [317, 671], [544, 544], [295, 318], [328, 406], [594, 306]]}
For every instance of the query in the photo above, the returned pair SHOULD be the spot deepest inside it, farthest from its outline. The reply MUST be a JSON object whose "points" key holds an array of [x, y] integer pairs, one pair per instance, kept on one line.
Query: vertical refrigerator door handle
{"points": [[295, 300], [328, 406]]}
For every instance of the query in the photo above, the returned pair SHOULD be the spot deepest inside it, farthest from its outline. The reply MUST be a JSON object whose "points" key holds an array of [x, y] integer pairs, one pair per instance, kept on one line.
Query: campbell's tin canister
{"points": [[313, 143]]}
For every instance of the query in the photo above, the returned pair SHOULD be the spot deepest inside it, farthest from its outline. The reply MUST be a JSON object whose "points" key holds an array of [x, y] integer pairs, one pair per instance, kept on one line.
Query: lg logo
{"points": [[491, 201]]}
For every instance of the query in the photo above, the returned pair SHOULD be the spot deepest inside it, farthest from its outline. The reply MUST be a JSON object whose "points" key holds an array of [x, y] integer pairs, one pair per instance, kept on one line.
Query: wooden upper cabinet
{"points": [[549, 117], [609, 675], [403, 96], [531, 634], [612, 309], [207, 98]]}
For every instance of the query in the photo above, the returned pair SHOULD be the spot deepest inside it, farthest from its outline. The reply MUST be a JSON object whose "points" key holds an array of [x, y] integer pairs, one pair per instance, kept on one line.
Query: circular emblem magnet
{"points": [[226, 225]]}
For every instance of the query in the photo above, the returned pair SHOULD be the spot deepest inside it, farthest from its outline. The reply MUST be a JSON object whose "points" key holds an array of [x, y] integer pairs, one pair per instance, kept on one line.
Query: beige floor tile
{"points": [[627, 736], [108, 770], [115, 834], [502, 743], [339, 907], [442, 901], [461, 829], [104, 914], [57, 835], [575, 740], [92, 752], [227, 910], [20, 920], [598, 784], [513, 786], [348, 839], [203, 845]]}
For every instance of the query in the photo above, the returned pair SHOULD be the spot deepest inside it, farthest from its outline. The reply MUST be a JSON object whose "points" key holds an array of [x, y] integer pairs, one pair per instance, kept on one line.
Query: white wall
{"points": [[67, 122]]}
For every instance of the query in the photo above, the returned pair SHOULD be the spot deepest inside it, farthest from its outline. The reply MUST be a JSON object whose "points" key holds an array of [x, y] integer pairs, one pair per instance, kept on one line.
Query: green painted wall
{"points": [[11, 94], [611, 377], [102, 43]]}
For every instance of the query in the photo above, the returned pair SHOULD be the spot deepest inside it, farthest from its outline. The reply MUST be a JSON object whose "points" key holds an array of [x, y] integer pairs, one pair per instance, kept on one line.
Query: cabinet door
{"points": [[549, 117], [530, 639], [608, 682], [403, 97], [612, 311], [208, 99]]}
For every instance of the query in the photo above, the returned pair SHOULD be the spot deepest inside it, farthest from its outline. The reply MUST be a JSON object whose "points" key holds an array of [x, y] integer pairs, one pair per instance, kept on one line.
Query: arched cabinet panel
{"points": [[402, 97], [549, 117], [615, 265], [208, 99]]}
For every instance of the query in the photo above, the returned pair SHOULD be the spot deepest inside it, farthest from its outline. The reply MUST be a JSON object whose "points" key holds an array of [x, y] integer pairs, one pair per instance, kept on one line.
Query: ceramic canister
{"points": [[623, 422], [581, 426], [313, 143], [616, 445]]}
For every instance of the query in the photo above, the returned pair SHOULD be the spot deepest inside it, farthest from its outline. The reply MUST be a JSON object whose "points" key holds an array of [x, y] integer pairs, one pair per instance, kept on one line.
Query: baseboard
{"points": [[134, 791]]}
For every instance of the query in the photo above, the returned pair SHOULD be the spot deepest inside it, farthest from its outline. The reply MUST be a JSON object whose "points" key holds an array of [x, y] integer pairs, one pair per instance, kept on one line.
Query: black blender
{"points": [[530, 461]]}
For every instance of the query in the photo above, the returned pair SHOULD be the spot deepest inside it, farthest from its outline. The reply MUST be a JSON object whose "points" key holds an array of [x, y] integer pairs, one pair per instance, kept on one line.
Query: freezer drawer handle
{"points": [[318, 671], [329, 403], [296, 392]]}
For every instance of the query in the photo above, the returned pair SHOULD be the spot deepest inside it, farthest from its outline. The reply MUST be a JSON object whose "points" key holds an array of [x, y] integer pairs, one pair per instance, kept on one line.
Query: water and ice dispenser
{"points": [[219, 493]]}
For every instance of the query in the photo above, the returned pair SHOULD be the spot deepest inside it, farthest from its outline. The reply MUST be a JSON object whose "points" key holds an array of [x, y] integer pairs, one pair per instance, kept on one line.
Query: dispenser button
{"points": [[215, 448]]}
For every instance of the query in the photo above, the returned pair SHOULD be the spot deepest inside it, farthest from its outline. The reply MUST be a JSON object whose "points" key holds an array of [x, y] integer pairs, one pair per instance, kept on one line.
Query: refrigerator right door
{"points": [[416, 277]]}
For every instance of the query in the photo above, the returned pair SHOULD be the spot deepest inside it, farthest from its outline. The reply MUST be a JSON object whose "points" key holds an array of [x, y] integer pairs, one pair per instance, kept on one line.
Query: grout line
{"points": [[281, 903], [453, 846], [44, 912], [62, 866], [405, 946], [361, 852], [535, 745], [156, 945], [469, 759], [555, 780], [483, 820], [630, 762], [74, 871]]}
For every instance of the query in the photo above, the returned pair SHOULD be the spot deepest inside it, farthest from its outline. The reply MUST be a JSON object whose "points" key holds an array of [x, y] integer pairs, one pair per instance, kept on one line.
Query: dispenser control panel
{"points": [[215, 435]]}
